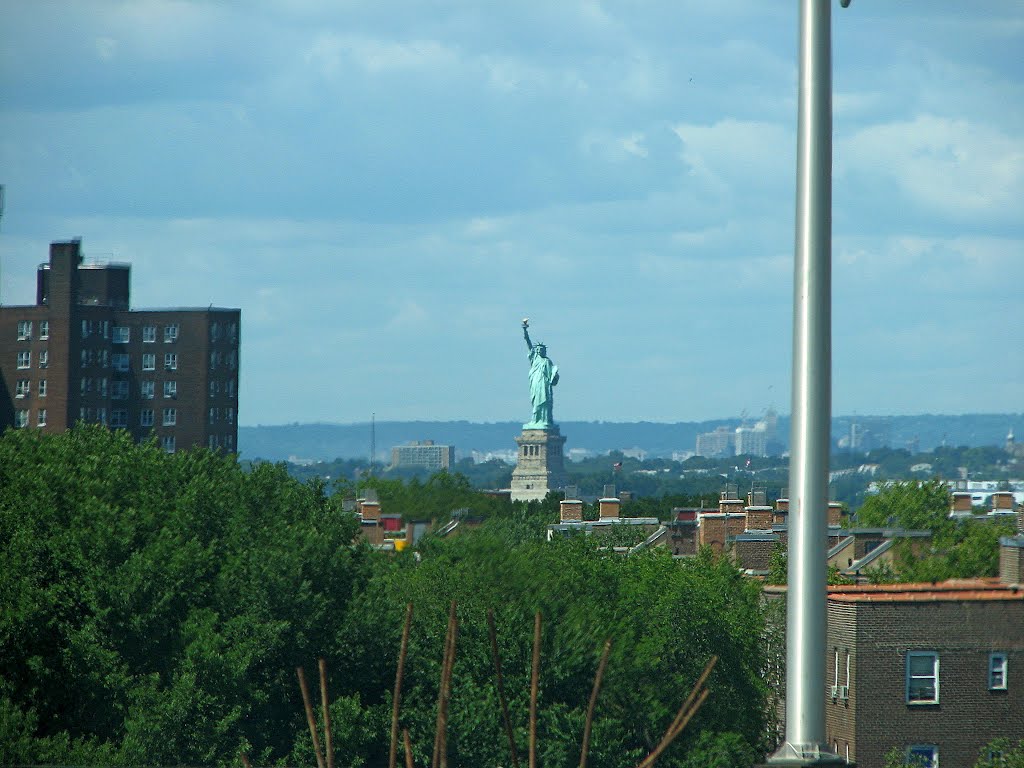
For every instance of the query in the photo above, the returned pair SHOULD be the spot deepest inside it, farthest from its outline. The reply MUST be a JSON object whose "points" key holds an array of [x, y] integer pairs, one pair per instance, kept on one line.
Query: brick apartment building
{"points": [[932, 670], [81, 354]]}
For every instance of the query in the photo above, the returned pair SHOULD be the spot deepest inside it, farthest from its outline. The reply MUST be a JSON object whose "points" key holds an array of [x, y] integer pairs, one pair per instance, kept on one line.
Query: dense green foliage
{"points": [[154, 608], [666, 618], [154, 605], [958, 549]]}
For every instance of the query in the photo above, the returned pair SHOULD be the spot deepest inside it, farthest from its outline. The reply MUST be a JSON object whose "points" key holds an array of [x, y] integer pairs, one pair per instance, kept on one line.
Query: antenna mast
{"points": [[373, 441]]}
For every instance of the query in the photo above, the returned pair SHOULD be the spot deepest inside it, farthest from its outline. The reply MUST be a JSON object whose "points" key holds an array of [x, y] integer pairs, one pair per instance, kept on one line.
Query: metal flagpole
{"points": [[806, 618]]}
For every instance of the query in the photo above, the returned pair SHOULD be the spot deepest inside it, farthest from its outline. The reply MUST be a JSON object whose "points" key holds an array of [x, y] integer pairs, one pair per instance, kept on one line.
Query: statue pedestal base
{"points": [[540, 466]]}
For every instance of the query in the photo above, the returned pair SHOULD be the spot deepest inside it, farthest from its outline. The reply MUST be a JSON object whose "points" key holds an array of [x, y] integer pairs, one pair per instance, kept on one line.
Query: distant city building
{"points": [[80, 354], [716, 444], [756, 440], [423, 453], [751, 441]]}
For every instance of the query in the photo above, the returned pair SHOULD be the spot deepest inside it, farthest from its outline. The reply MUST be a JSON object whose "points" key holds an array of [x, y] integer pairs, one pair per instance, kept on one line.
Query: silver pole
{"points": [[806, 618]]}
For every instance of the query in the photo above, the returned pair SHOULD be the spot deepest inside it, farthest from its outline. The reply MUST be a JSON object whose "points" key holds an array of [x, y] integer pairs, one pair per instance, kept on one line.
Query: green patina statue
{"points": [[543, 378]]}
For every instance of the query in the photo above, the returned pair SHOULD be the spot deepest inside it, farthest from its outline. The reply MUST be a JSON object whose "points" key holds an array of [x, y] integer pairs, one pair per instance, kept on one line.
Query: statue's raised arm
{"points": [[543, 378]]}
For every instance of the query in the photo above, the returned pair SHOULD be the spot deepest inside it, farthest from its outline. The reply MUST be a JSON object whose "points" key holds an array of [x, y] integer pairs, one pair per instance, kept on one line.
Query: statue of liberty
{"points": [[543, 378]]}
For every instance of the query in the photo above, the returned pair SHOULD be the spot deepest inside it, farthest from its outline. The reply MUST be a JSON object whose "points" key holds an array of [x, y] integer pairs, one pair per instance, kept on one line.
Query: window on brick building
{"points": [[170, 389], [146, 417], [997, 671], [146, 389], [119, 391], [170, 417], [44, 358], [42, 387], [119, 418], [101, 415], [148, 334], [922, 677], [171, 332], [24, 360], [922, 756], [121, 361], [21, 418], [23, 388], [24, 330], [41, 417], [149, 362], [167, 441], [171, 361], [44, 329], [122, 334]]}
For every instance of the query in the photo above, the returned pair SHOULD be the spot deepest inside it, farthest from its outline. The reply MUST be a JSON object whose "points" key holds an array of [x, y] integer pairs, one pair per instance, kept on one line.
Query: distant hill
{"points": [[346, 441]]}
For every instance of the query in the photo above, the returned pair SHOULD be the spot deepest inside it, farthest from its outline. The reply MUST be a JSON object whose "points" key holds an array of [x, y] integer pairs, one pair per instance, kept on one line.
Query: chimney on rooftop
{"points": [[962, 501]]}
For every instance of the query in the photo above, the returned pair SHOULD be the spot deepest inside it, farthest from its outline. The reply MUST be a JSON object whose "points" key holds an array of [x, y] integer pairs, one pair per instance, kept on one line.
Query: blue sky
{"points": [[387, 188]]}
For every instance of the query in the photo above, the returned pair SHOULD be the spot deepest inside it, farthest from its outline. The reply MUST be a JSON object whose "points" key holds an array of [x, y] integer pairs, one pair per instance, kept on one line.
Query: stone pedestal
{"points": [[540, 466]]}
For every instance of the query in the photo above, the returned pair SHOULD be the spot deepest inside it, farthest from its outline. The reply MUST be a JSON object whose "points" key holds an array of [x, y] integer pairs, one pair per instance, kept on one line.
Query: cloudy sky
{"points": [[386, 188]]}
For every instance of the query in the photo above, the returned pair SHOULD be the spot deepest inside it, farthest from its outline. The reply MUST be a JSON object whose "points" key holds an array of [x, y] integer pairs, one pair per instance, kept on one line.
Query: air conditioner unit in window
{"points": [[844, 692], [835, 692]]}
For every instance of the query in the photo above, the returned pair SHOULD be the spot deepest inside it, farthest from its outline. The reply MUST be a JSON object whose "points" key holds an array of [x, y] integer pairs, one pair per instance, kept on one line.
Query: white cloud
{"points": [[953, 166]]}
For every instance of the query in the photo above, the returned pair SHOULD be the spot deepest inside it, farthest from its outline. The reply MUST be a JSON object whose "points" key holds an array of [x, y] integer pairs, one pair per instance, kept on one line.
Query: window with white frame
{"points": [[120, 360], [922, 677], [119, 390], [44, 358], [170, 417], [44, 329], [214, 388], [170, 389], [24, 360], [119, 418], [922, 756], [167, 443], [148, 334], [23, 388], [42, 387], [146, 417], [997, 668], [170, 333], [41, 417], [21, 418], [171, 361], [149, 361], [24, 330], [230, 387], [146, 390], [122, 334]]}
